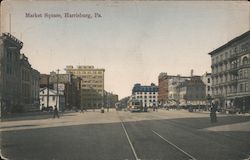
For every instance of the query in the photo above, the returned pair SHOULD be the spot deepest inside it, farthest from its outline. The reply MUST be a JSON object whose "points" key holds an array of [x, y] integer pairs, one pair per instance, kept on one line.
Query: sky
{"points": [[134, 41]]}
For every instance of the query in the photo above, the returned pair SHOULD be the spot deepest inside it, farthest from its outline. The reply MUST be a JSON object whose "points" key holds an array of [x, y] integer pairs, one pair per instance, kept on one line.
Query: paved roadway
{"points": [[162, 135]]}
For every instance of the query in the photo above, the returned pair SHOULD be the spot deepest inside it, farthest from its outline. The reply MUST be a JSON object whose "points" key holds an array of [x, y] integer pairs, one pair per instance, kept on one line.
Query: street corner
{"points": [[241, 127]]}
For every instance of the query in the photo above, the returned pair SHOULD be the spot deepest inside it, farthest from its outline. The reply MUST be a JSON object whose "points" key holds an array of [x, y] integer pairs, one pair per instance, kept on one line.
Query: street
{"points": [[122, 135]]}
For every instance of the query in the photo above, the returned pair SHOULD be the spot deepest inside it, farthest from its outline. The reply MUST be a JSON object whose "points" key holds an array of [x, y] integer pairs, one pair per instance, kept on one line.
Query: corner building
{"points": [[92, 85], [147, 95], [231, 73]]}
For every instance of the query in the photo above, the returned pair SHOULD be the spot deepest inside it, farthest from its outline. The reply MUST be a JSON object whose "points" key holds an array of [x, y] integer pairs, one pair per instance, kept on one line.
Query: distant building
{"points": [[173, 83], [69, 85], [147, 95], [231, 73], [44, 81], [163, 88], [55, 100], [207, 80], [92, 85], [192, 92], [168, 92], [110, 99]]}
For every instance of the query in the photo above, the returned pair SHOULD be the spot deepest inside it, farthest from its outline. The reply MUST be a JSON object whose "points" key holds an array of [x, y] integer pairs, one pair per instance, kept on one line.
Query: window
{"points": [[208, 88], [241, 87], [208, 80], [245, 60]]}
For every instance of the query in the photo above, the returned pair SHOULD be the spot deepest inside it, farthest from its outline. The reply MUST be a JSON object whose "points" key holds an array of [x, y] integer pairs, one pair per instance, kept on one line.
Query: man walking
{"points": [[56, 112], [213, 116]]}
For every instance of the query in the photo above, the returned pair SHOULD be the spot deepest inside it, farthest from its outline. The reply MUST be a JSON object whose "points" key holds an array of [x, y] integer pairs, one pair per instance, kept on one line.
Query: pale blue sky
{"points": [[133, 41]]}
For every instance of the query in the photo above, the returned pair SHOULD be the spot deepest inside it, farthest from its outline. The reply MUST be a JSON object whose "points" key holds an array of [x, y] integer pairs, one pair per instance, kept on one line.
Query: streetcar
{"points": [[134, 105]]}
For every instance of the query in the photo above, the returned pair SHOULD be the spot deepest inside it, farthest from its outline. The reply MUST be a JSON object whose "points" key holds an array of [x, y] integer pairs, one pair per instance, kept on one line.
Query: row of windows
{"points": [[146, 97], [92, 86], [45, 98], [91, 77], [149, 101], [243, 87], [145, 92], [92, 81], [87, 72], [232, 65], [242, 74], [238, 49]]}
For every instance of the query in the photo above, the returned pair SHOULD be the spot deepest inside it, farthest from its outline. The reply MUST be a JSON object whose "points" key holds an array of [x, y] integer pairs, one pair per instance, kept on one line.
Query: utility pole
{"points": [[57, 91], [48, 91], [10, 23]]}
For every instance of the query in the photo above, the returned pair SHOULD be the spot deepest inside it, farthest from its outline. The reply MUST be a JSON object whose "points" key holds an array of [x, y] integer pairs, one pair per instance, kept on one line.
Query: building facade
{"points": [[168, 91], [53, 99], [110, 99], [174, 92], [147, 95], [207, 80], [19, 82], [9, 73], [69, 85], [29, 85], [92, 85], [231, 73], [163, 88], [192, 92]]}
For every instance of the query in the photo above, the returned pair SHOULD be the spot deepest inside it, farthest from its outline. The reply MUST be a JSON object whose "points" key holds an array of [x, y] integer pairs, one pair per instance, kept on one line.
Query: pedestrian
{"points": [[56, 112], [81, 109], [213, 116]]}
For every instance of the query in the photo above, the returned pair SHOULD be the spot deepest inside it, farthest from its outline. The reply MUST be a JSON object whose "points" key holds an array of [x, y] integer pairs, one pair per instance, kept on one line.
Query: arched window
{"points": [[245, 60]]}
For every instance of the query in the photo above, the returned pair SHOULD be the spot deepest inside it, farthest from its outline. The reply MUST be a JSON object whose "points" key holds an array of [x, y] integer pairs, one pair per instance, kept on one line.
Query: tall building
{"points": [[9, 72], [19, 82], [231, 73], [147, 95], [163, 88], [92, 85]]}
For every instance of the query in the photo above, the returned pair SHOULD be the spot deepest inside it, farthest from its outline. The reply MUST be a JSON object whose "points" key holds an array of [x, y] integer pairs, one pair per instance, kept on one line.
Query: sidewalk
{"points": [[67, 119], [25, 116]]}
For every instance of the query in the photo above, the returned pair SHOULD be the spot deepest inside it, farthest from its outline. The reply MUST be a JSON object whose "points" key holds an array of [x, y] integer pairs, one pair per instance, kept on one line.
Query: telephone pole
{"points": [[57, 91]]}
